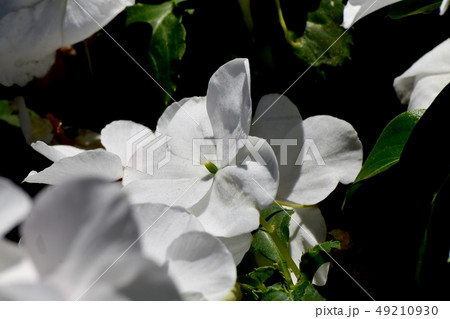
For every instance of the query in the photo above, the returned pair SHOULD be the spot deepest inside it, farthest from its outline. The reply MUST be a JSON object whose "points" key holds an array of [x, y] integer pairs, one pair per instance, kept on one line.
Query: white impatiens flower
{"points": [[418, 86], [31, 31], [81, 242], [71, 162], [357, 9], [225, 192], [314, 156], [444, 6]]}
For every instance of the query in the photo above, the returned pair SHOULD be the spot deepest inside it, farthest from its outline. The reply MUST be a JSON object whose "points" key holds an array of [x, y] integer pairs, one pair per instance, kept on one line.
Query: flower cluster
{"points": [[196, 213], [165, 214]]}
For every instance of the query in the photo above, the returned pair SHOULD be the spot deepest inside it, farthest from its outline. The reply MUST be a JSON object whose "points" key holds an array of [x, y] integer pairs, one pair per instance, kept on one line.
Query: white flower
{"points": [[226, 197], [444, 6], [314, 155], [81, 242], [357, 9], [425, 79], [71, 162], [32, 30], [226, 202]]}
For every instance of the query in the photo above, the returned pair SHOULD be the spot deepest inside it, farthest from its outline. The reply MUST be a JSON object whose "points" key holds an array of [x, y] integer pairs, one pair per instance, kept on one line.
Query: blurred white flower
{"points": [[418, 86], [31, 31], [313, 155], [357, 9], [444, 6], [81, 242]]}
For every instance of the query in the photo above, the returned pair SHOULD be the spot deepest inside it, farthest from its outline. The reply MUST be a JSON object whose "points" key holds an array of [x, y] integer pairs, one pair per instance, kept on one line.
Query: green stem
{"points": [[283, 25], [283, 250], [293, 205]]}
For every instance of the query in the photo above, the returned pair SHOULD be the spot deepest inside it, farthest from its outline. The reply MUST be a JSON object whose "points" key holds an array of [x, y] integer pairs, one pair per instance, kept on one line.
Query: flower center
{"points": [[211, 167]]}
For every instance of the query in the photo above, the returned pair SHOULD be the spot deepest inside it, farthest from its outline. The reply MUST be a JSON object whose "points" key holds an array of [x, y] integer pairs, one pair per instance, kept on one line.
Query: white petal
{"points": [[238, 193], [159, 225], [31, 34], [30, 292], [32, 31], [425, 79], [134, 278], [321, 276], [84, 17], [237, 246], [56, 152], [183, 122], [357, 9], [229, 103], [181, 192], [306, 229], [95, 163], [332, 153], [201, 266], [444, 6], [122, 138], [15, 266], [15, 206], [278, 121], [74, 224], [161, 163]]}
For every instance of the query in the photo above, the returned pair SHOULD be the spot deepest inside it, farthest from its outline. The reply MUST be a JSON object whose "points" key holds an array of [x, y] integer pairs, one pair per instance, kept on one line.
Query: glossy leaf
{"points": [[166, 45], [390, 144]]}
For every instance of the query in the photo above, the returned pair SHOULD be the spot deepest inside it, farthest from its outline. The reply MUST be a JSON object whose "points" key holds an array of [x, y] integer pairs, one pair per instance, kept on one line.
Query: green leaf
{"points": [[275, 292], [265, 245], [390, 144], [315, 257], [166, 45], [305, 291], [7, 115], [407, 8], [324, 41], [400, 204], [257, 278], [279, 218]]}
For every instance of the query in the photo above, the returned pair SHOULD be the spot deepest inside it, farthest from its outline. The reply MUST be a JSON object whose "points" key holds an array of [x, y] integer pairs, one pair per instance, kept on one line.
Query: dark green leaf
{"points": [[389, 145], [324, 40], [275, 292], [411, 7], [279, 217], [305, 291], [166, 45], [395, 205], [258, 277], [265, 245], [272, 210]]}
